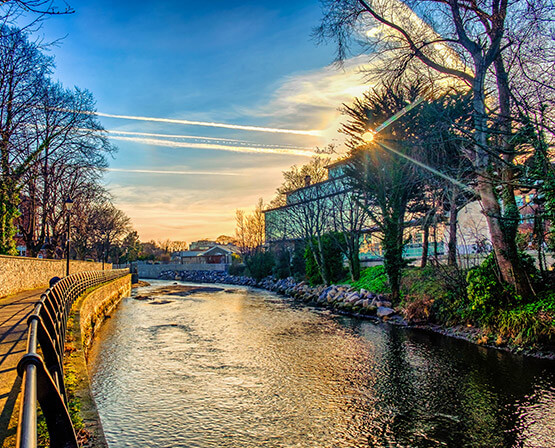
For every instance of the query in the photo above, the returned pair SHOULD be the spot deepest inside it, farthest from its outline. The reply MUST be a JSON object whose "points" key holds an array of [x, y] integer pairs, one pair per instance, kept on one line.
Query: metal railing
{"points": [[43, 376]]}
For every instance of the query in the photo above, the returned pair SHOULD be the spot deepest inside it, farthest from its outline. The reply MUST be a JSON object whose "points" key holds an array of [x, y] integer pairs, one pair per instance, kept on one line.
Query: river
{"points": [[246, 368]]}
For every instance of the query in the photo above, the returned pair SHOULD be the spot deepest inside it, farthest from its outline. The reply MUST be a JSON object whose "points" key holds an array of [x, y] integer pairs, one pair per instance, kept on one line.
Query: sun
{"points": [[368, 136]]}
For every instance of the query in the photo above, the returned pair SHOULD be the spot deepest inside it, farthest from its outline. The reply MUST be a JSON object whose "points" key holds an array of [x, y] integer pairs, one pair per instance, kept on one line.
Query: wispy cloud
{"points": [[214, 146], [201, 139], [180, 172], [212, 124], [312, 99]]}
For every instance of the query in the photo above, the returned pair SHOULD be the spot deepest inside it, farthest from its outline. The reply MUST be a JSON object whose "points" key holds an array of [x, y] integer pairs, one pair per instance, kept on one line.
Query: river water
{"points": [[246, 368]]}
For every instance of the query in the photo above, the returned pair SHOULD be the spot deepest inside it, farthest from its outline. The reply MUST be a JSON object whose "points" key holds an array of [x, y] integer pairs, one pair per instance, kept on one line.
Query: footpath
{"points": [[14, 311]]}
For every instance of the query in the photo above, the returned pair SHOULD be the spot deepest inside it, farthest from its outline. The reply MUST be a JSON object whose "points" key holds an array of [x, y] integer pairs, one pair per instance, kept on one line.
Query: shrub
{"points": [[487, 294], [298, 267], [422, 282], [530, 323], [333, 259], [260, 264], [282, 268], [373, 279], [237, 269], [419, 309]]}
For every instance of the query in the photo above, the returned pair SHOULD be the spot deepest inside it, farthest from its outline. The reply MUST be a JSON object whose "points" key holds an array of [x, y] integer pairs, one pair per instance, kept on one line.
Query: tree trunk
{"points": [[322, 263], [425, 239], [510, 269], [453, 218], [426, 236]]}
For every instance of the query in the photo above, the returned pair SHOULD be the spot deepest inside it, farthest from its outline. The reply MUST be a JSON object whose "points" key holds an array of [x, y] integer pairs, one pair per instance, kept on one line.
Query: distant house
{"points": [[214, 255], [202, 245]]}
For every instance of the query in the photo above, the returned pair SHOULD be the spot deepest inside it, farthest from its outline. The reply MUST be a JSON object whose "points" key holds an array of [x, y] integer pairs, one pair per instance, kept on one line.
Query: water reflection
{"points": [[247, 369]]}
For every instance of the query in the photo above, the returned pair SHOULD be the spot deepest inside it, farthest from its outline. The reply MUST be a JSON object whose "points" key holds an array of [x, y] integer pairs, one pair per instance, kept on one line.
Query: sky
{"points": [[167, 75]]}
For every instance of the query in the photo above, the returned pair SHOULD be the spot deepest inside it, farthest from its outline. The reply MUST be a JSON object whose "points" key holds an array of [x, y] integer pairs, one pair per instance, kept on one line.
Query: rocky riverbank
{"points": [[342, 298]]}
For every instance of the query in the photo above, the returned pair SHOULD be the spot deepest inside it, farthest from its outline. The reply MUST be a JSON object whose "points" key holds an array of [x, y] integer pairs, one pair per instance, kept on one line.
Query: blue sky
{"points": [[241, 63]]}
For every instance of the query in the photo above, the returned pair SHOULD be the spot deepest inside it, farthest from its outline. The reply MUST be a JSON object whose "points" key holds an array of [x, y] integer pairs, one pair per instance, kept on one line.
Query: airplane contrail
{"points": [[201, 138], [315, 133], [181, 172], [251, 149]]}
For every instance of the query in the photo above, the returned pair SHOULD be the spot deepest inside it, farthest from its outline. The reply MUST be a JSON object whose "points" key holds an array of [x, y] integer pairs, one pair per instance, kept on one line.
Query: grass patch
{"points": [[373, 279], [529, 324]]}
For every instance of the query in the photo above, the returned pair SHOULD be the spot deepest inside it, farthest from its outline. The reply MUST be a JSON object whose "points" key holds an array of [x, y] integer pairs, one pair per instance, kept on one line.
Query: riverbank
{"points": [[345, 299]]}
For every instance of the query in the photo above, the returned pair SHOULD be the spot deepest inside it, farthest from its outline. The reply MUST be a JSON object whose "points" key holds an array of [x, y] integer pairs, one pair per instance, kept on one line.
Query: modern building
{"points": [[329, 206]]}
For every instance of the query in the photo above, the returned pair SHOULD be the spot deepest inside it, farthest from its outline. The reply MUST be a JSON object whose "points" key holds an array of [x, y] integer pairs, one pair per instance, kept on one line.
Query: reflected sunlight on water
{"points": [[244, 368]]}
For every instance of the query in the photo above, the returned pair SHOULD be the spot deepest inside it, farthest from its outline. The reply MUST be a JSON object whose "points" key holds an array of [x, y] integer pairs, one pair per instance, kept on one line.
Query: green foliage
{"points": [[43, 439], [298, 267], [422, 282], [260, 264], [237, 269], [373, 279], [333, 261], [531, 323], [8, 212], [282, 268], [542, 173], [488, 295]]}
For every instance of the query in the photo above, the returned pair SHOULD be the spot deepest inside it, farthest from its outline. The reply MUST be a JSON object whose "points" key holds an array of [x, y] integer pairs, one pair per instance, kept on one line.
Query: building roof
{"points": [[343, 161], [189, 253], [226, 249]]}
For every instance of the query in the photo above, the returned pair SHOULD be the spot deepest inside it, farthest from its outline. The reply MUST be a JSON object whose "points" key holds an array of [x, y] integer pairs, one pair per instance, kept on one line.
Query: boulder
{"points": [[384, 311]]}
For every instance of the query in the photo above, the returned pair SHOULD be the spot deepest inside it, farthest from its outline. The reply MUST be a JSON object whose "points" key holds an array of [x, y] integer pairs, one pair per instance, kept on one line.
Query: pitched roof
{"points": [[223, 248]]}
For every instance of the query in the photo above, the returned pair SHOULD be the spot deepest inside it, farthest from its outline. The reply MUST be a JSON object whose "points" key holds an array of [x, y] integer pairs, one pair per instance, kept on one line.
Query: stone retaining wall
{"points": [[88, 314], [147, 270], [22, 273], [99, 304]]}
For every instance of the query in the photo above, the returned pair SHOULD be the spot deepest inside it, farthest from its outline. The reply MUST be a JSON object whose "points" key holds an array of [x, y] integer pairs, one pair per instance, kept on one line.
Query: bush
{"points": [[260, 264], [423, 282], [373, 279], [530, 323], [298, 267], [335, 271], [237, 269], [282, 268], [419, 309], [487, 294]]}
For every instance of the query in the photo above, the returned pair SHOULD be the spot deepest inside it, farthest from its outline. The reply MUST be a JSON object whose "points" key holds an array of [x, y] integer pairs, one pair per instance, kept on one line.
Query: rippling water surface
{"points": [[244, 368]]}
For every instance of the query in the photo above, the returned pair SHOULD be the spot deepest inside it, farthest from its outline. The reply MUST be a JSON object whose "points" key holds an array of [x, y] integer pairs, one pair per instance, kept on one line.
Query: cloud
{"points": [[213, 146], [221, 140], [187, 214], [212, 124], [312, 99], [180, 172]]}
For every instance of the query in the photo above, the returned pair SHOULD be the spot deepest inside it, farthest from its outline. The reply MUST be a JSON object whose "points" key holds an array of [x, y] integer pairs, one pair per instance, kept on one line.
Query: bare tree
{"points": [[23, 71], [71, 150], [226, 239], [348, 220], [250, 230], [298, 176]]}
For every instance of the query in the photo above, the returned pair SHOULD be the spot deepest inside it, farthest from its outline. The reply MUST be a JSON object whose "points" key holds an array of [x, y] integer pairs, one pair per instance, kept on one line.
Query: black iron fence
{"points": [[42, 367]]}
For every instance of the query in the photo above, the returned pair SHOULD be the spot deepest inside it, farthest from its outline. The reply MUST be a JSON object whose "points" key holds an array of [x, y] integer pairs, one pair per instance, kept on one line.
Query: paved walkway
{"points": [[13, 339]]}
